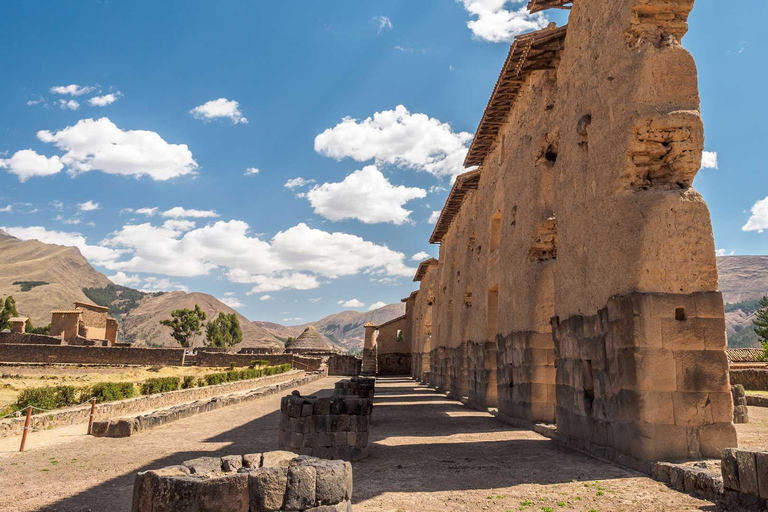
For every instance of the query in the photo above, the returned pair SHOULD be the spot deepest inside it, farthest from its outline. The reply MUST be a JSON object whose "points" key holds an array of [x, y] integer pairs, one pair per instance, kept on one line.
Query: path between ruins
{"points": [[428, 453]]}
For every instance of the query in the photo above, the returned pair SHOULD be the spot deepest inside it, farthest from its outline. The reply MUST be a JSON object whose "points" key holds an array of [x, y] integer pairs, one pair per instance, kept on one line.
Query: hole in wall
{"points": [[588, 383], [511, 375], [550, 155], [680, 314]]}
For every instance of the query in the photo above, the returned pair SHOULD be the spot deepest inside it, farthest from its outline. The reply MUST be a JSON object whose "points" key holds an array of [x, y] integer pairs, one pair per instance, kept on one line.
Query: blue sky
{"points": [[128, 129]]}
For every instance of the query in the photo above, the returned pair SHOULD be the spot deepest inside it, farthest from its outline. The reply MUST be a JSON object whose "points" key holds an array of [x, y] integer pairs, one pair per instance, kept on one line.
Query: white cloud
{"points": [[274, 283], [123, 279], [251, 171], [297, 182], [376, 305], [96, 254], [68, 104], [501, 20], [365, 195], [709, 160], [220, 108], [383, 22], [7, 209], [232, 302], [397, 137], [315, 300], [56, 204], [38, 101], [265, 297], [351, 303], [149, 212], [724, 252], [178, 212], [72, 90], [758, 221], [420, 256], [74, 221], [156, 284], [433, 217], [179, 224], [99, 145], [88, 206], [27, 163], [293, 319], [103, 101]]}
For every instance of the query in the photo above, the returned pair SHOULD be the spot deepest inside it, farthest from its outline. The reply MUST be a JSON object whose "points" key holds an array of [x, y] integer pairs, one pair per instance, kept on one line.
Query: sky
{"points": [[290, 158]]}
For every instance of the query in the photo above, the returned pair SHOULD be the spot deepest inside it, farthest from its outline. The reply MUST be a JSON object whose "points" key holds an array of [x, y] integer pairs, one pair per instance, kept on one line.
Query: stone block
{"points": [[121, 428], [331, 483], [655, 407], [644, 369], [306, 409], [325, 439], [100, 428], [252, 460], [761, 467], [321, 407], [721, 406], [692, 409], [204, 465], [267, 488], [702, 371], [664, 305], [709, 304], [338, 422], [747, 463], [280, 458], [351, 438], [682, 335], [714, 439], [321, 423], [297, 440], [228, 493], [340, 438], [231, 463], [714, 333]]}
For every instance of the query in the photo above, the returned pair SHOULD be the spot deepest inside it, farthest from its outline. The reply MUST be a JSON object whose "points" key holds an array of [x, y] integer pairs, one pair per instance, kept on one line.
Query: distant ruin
{"points": [[577, 282]]}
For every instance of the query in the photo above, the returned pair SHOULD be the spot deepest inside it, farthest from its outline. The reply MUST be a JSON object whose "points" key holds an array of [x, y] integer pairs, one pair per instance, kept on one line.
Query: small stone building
{"points": [[85, 324], [18, 323], [311, 342]]}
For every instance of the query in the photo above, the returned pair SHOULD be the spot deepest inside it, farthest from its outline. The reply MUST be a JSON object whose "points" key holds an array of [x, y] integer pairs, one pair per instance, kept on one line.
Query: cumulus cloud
{"points": [[365, 195], [351, 303], [725, 252], [433, 217], [383, 22], [97, 254], [180, 212], [68, 104], [501, 20], [251, 171], [232, 302], [297, 182], [72, 90], [274, 283], [99, 145], [420, 256], [123, 279], [158, 284], [27, 164], [7, 209], [88, 206], [265, 297], [149, 212], [758, 221], [376, 305], [103, 101], [315, 300], [709, 160], [397, 137], [220, 108]]}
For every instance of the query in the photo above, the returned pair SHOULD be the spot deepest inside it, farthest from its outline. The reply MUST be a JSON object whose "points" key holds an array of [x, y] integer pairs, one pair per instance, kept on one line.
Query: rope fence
{"points": [[28, 418]]}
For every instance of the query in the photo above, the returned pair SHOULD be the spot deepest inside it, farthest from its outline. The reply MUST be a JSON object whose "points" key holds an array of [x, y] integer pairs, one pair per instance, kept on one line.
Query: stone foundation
{"points": [[647, 377], [745, 472], [249, 483], [329, 428], [359, 387], [481, 374], [457, 360], [369, 361], [394, 363]]}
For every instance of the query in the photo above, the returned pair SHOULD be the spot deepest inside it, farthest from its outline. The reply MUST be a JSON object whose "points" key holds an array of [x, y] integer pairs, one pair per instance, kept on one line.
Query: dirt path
{"points": [[427, 454]]}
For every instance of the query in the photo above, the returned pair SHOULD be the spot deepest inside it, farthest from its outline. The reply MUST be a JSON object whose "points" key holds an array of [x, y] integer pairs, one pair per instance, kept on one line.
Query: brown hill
{"points": [[345, 328], [743, 281], [63, 270], [143, 322]]}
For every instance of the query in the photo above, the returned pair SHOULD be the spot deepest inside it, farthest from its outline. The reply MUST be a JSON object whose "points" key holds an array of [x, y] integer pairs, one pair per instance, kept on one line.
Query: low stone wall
{"points": [[693, 480], [80, 414], [757, 401], [396, 363], [745, 473], [30, 353], [755, 379], [344, 365], [740, 411], [359, 387], [20, 338], [130, 426], [255, 482], [329, 428]]}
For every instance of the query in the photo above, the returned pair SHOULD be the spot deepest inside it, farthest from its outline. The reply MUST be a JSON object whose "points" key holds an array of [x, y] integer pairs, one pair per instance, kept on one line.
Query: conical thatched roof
{"points": [[312, 340]]}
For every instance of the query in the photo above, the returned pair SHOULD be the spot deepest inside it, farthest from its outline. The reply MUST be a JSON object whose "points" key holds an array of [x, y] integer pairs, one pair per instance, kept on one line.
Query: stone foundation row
{"points": [[127, 427], [267, 482], [360, 387]]}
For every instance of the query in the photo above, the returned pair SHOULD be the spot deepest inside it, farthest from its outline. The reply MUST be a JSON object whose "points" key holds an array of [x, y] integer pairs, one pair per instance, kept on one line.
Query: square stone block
{"points": [[747, 472], [664, 305], [644, 369], [692, 409], [761, 463], [656, 407], [715, 337], [715, 439], [682, 335], [702, 371], [709, 304], [266, 487]]}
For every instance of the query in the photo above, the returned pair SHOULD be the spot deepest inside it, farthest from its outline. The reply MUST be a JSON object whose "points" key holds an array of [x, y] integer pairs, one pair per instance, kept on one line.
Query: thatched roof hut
{"points": [[311, 341]]}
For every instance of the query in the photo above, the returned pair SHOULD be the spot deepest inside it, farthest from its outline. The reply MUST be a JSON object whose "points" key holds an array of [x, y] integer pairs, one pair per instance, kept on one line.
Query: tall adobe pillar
{"points": [[369, 349]]}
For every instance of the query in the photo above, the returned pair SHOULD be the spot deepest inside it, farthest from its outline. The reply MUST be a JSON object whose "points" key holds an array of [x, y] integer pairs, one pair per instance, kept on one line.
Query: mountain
{"points": [[345, 328], [42, 277], [743, 281]]}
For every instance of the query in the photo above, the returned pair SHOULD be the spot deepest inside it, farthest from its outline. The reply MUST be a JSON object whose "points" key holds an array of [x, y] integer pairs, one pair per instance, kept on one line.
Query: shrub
{"points": [[49, 397], [259, 362], [213, 379], [111, 391], [160, 385], [232, 366], [188, 382]]}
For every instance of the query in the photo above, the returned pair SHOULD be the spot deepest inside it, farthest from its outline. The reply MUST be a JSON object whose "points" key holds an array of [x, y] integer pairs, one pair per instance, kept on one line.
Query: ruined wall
{"points": [[111, 331], [344, 365], [28, 353], [393, 348], [66, 325], [584, 215], [34, 339], [94, 321], [423, 325]]}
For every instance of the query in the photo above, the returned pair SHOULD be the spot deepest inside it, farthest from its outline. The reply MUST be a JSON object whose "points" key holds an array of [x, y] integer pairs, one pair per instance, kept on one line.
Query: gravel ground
{"points": [[427, 454]]}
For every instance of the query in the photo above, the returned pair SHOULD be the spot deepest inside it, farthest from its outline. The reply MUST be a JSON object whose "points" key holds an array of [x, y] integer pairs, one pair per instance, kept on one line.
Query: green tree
{"points": [[185, 323], [761, 324], [7, 312], [223, 331], [289, 341]]}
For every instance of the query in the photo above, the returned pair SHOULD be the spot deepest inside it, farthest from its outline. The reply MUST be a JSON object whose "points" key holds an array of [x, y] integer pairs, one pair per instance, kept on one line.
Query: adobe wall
{"points": [[65, 324], [23, 338], [111, 331], [393, 355], [28, 353], [586, 257]]}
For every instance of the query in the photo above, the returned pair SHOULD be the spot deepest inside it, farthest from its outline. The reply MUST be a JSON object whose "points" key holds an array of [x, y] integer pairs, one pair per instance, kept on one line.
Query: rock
{"points": [[302, 481], [278, 458], [231, 463], [252, 460], [266, 487], [204, 466], [330, 480]]}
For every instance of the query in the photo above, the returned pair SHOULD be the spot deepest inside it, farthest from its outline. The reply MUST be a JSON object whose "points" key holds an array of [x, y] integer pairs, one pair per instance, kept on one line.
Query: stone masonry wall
{"points": [[28, 353], [360, 387], [344, 365], [481, 361], [19, 338], [218, 359], [329, 428], [753, 379], [254, 482]]}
